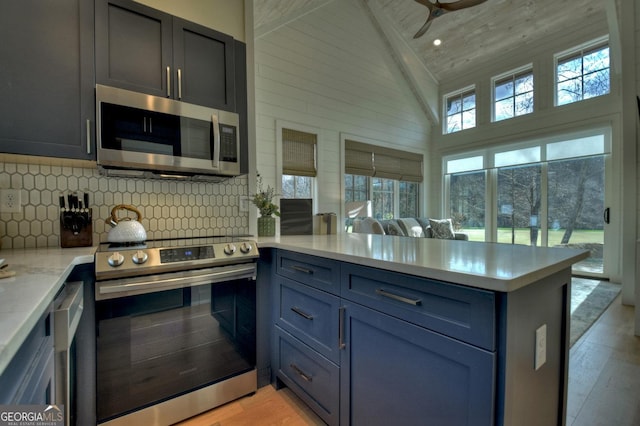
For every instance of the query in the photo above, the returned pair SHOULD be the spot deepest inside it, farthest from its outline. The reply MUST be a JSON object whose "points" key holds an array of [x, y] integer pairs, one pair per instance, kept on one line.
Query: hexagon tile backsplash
{"points": [[170, 209]]}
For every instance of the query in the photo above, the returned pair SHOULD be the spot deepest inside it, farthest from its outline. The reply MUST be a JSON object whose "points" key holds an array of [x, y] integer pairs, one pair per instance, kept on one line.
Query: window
{"points": [[582, 74], [408, 199], [297, 186], [513, 95], [460, 110], [298, 163], [542, 192], [356, 188], [390, 178], [383, 195]]}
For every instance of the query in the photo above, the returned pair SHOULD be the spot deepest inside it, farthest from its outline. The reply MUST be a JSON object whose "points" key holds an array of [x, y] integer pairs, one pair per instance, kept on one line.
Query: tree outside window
{"points": [[297, 186], [582, 75], [356, 188], [460, 111], [513, 96], [383, 195], [408, 199]]}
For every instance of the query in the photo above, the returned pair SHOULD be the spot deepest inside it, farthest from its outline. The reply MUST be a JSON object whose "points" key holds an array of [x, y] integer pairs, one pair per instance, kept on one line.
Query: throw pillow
{"points": [[394, 229], [442, 229], [426, 227], [411, 227]]}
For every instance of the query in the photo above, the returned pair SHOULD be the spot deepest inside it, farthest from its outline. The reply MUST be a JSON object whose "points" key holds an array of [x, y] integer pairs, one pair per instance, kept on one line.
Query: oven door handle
{"points": [[129, 286]]}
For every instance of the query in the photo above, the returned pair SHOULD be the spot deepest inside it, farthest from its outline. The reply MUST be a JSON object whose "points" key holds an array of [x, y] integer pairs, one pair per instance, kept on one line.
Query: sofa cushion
{"points": [[442, 229], [411, 227]]}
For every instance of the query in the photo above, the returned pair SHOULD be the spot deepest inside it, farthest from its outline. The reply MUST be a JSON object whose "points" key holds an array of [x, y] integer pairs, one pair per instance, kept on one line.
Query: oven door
{"points": [[186, 332]]}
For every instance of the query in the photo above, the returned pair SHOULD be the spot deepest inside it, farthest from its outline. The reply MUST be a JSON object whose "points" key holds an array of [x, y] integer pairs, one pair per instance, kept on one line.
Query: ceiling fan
{"points": [[438, 9]]}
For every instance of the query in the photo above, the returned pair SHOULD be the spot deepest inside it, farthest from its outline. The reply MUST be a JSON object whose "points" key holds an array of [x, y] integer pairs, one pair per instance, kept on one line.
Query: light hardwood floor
{"points": [[604, 384], [604, 372]]}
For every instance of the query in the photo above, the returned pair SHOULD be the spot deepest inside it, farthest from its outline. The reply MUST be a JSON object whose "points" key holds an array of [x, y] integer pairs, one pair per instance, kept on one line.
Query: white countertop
{"points": [[24, 297], [489, 266], [40, 273]]}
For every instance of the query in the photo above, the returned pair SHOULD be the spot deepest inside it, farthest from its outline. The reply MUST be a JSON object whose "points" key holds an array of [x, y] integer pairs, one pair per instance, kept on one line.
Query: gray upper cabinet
{"points": [[47, 78], [145, 50]]}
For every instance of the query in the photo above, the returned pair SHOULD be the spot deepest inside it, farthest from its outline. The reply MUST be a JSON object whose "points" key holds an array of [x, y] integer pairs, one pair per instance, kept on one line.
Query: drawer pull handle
{"points": [[300, 373], [414, 302], [341, 344], [301, 269], [302, 313]]}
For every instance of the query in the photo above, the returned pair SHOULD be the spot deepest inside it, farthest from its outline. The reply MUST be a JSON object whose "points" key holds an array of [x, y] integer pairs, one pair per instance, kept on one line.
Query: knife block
{"points": [[76, 229]]}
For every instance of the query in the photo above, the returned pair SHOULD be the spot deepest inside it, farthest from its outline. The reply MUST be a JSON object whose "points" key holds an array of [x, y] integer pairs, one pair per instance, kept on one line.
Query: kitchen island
{"points": [[371, 329]]}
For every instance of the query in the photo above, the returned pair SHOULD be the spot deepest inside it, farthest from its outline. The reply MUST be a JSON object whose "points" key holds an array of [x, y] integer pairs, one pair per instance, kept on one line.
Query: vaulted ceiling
{"points": [[469, 36]]}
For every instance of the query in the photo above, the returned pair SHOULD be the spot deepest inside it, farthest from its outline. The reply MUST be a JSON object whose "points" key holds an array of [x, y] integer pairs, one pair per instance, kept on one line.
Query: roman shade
{"points": [[298, 153], [376, 161]]}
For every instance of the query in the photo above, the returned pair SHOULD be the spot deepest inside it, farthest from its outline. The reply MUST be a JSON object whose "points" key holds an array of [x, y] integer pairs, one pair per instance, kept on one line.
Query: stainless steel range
{"points": [[175, 328]]}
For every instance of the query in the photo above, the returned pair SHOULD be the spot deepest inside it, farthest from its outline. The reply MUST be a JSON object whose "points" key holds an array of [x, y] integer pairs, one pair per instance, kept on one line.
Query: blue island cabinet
{"points": [[368, 346], [407, 355]]}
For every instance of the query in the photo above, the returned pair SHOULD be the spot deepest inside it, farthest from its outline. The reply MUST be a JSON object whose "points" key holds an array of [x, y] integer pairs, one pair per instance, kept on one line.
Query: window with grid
{"points": [[298, 163], [390, 178], [513, 95], [408, 199], [582, 74], [356, 188], [460, 110]]}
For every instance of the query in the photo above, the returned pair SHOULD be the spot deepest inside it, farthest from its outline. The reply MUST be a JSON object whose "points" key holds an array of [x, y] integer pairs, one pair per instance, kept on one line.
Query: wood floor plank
{"points": [[604, 372]]}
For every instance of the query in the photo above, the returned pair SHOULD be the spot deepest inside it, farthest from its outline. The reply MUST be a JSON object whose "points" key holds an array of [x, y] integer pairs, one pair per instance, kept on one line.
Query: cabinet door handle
{"points": [[302, 269], [302, 313], [88, 136], [341, 344], [414, 302], [144, 124], [168, 81], [301, 373], [179, 83]]}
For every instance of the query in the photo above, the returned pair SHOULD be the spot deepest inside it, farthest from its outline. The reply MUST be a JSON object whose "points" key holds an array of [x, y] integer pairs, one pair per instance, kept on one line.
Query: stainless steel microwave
{"points": [[149, 136]]}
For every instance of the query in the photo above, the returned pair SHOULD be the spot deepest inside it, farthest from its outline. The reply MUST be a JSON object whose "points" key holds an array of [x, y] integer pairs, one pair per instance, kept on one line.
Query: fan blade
{"points": [[424, 28], [426, 3], [462, 4]]}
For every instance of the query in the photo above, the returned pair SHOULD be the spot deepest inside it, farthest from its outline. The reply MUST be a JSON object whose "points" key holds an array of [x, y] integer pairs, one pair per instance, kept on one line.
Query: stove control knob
{"points": [[116, 259], [229, 249], [140, 257], [245, 248]]}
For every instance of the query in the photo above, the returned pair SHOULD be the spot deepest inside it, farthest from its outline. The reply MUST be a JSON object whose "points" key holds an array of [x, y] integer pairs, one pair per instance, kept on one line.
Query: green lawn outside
{"points": [[522, 236]]}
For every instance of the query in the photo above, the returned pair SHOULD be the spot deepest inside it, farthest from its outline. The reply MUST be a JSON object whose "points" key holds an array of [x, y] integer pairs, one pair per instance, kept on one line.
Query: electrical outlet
{"points": [[243, 202], [541, 346], [10, 201]]}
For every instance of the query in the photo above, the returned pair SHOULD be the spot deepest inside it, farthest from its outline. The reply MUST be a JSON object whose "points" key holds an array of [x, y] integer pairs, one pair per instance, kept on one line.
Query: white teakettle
{"points": [[126, 230]]}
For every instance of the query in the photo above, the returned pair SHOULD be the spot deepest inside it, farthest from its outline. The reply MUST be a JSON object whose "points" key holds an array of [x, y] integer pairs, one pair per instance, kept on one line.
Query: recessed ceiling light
{"points": [[437, 42]]}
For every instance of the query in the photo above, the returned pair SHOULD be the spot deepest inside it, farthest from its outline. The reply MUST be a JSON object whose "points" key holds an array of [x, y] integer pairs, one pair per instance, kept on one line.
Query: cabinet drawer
{"points": [[312, 377], [309, 314], [460, 312], [311, 270]]}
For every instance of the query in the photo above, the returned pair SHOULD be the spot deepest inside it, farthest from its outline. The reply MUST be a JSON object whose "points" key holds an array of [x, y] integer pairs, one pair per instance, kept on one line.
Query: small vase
{"points": [[266, 226]]}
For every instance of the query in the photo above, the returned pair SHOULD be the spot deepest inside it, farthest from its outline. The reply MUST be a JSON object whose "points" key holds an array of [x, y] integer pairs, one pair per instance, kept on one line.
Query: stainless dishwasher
{"points": [[68, 307]]}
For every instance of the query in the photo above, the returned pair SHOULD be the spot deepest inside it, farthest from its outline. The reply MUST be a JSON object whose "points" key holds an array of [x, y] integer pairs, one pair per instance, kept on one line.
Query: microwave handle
{"points": [[215, 152]]}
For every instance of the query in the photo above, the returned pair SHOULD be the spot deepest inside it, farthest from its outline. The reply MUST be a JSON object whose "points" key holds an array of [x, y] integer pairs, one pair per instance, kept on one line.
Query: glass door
{"points": [[546, 193], [519, 205], [576, 206]]}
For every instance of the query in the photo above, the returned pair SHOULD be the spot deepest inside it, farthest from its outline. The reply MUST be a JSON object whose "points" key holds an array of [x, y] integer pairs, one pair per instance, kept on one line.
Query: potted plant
{"points": [[263, 200]]}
